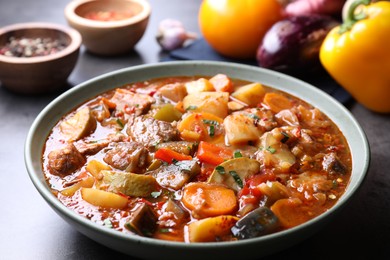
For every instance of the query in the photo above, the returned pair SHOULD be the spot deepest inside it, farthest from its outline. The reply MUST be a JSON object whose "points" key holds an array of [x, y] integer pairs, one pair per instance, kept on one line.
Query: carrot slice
{"points": [[277, 102], [198, 124], [221, 82], [209, 200], [169, 156], [289, 212], [213, 154]]}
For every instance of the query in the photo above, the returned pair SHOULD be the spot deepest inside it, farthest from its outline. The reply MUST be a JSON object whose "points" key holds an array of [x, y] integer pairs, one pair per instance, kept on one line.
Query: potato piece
{"points": [[211, 102], [235, 106], [277, 102], [131, 184], [94, 167], [196, 127], [241, 129], [275, 154], [221, 82], [175, 91], [103, 199], [85, 183], [274, 190], [210, 229], [250, 94], [200, 85], [243, 168], [79, 125]]}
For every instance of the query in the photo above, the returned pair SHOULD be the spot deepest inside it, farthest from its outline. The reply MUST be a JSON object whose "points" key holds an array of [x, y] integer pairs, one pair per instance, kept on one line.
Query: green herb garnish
{"points": [[253, 116], [270, 149], [107, 223], [237, 154], [155, 194], [191, 107], [285, 137], [164, 230], [210, 122], [220, 169], [119, 122], [211, 131], [236, 178]]}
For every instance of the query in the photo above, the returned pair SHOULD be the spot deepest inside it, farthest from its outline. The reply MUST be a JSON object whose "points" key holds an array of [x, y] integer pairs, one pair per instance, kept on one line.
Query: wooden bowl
{"points": [[109, 27], [38, 74]]}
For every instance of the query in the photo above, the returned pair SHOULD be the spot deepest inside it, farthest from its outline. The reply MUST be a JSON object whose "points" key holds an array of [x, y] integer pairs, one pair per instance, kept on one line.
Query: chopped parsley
{"points": [[191, 107], [270, 149], [155, 194], [164, 230], [220, 169], [119, 122], [236, 178], [253, 116], [107, 223], [210, 122], [237, 154], [211, 131], [285, 137]]}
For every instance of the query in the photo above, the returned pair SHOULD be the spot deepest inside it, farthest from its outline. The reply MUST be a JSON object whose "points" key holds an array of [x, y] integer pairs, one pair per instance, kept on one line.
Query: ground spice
{"points": [[31, 47]]}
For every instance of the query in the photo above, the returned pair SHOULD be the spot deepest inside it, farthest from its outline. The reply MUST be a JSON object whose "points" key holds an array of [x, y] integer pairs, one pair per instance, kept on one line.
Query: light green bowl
{"points": [[152, 248]]}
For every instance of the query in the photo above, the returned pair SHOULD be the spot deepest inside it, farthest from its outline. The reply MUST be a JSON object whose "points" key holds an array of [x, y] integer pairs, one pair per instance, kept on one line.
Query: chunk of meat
{"points": [[332, 164], [93, 147], [310, 183], [149, 131], [127, 100], [127, 156], [65, 160]]}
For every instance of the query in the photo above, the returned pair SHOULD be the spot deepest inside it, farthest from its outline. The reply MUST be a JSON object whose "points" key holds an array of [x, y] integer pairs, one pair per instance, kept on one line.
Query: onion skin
{"points": [[292, 45]]}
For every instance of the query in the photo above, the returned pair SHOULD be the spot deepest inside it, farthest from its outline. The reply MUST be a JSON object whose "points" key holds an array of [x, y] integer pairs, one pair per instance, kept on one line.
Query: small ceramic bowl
{"points": [[22, 72], [109, 27]]}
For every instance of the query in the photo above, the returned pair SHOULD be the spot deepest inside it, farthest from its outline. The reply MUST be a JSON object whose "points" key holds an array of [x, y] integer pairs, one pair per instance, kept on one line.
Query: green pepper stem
{"points": [[353, 17]]}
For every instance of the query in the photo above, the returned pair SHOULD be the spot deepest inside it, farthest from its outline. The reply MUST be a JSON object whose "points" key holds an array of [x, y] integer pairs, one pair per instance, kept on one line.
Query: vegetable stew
{"points": [[197, 159]]}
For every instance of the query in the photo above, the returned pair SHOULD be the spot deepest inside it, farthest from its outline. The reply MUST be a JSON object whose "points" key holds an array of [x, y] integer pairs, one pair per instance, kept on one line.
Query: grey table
{"points": [[30, 229]]}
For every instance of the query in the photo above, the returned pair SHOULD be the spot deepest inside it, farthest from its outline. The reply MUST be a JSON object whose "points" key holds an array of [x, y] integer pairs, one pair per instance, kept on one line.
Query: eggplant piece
{"points": [[81, 124], [292, 45], [130, 184], [258, 222], [143, 220], [176, 175]]}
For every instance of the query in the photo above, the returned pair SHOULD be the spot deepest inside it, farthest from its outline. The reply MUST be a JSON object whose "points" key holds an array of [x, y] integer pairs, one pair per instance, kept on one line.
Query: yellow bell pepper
{"points": [[357, 54]]}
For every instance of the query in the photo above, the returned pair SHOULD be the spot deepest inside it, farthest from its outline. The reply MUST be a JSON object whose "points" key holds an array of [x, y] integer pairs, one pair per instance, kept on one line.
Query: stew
{"points": [[197, 159]]}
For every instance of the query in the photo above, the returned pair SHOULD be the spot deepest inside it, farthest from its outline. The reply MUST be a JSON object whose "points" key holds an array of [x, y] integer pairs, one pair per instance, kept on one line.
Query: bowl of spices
{"points": [[37, 57], [109, 27]]}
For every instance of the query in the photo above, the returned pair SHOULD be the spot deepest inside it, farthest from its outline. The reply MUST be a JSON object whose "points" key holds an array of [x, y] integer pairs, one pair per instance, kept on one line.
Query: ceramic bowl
{"points": [[109, 27], [39, 74], [148, 248]]}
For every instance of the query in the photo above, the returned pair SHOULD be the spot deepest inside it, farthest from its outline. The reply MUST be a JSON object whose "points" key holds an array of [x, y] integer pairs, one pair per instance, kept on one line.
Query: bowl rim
{"points": [[361, 146], [72, 47], [71, 15]]}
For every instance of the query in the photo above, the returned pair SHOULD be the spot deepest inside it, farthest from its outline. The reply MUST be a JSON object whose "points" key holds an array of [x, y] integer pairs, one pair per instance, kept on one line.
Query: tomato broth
{"points": [[197, 159]]}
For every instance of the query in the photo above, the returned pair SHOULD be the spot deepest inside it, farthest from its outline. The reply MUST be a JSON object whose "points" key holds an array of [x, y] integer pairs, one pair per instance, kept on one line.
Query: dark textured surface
{"points": [[32, 230]]}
